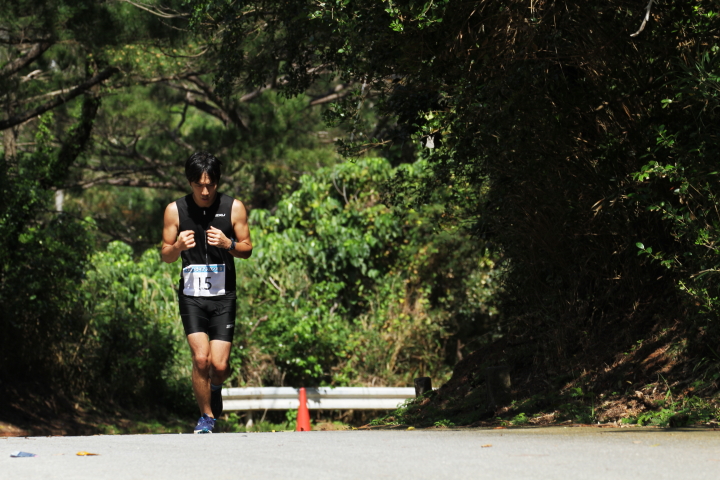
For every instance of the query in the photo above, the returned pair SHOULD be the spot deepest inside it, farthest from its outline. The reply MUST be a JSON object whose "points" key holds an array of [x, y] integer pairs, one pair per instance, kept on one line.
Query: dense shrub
{"points": [[340, 290]]}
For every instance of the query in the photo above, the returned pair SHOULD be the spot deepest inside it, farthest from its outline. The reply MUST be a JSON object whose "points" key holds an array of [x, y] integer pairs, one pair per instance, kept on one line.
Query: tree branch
{"points": [[23, 117], [207, 89], [149, 81], [164, 79], [257, 324], [129, 182], [207, 108], [19, 63], [130, 151], [210, 92], [158, 12], [645, 20], [335, 94], [272, 281], [141, 183]]}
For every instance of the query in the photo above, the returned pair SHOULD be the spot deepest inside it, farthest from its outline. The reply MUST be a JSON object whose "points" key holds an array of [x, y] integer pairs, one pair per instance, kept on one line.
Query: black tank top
{"points": [[199, 220]]}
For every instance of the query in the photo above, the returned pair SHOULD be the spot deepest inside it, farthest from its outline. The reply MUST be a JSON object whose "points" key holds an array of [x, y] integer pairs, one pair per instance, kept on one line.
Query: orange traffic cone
{"points": [[303, 415]]}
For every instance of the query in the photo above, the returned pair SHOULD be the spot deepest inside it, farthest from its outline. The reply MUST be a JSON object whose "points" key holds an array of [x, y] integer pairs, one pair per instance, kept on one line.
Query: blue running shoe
{"points": [[205, 424]]}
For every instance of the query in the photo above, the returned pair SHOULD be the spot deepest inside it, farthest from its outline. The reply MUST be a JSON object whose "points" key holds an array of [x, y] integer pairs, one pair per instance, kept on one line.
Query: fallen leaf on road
{"points": [[411, 428], [486, 446], [86, 454], [498, 428]]}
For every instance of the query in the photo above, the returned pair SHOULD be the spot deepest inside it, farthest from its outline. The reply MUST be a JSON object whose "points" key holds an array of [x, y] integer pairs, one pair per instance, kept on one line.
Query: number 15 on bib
{"points": [[204, 280]]}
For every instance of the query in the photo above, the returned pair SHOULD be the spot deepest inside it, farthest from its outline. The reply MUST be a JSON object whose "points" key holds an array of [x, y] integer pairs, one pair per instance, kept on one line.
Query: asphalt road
{"points": [[532, 453]]}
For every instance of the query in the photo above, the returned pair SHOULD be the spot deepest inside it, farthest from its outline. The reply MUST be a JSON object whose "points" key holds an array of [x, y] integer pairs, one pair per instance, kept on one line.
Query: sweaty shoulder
{"points": [[238, 210], [171, 225], [171, 213]]}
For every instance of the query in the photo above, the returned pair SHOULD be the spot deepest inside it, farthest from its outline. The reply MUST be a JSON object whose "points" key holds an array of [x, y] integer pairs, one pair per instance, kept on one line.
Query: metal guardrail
{"points": [[322, 398]]}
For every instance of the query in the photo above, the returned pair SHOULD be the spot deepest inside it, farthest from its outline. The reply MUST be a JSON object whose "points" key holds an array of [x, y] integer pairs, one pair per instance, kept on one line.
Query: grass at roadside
{"points": [[571, 407]]}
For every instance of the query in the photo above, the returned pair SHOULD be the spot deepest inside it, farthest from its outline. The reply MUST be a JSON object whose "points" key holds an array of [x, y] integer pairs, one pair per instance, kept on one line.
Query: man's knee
{"points": [[221, 369], [201, 361]]}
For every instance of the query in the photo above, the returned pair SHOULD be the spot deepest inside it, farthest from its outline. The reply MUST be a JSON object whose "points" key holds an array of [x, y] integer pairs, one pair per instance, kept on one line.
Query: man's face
{"points": [[204, 191]]}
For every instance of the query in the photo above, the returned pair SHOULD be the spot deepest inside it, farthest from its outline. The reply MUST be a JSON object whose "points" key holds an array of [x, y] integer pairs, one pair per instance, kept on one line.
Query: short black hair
{"points": [[202, 162]]}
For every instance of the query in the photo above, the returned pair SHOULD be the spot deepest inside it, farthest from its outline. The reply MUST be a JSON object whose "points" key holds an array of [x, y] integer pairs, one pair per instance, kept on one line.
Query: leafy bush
{"points": [[43, 256], [133, 348], [678, 183], [340, 290]]}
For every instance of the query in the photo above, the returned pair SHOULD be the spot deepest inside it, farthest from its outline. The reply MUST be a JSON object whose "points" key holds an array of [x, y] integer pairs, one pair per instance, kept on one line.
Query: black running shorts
{"points": [[214, 316]]}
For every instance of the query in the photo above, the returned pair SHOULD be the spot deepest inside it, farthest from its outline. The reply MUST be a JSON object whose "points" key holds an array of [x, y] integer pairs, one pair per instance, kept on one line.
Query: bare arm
{"points": [[243, 245], [172, 243]]}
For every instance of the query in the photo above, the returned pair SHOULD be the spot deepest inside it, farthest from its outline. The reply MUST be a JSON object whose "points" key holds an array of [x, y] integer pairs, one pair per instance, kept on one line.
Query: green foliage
{"points": [[144, 134], [235, 423], [402, 415], [133, 350], [56, 333], [39, 274], [690, 410], [660, 418], [520, 419], [585, 175], [677, 184], [444, 423], [571, 154], [339, 290], [342, 290], [143, 427], [577, 412]]}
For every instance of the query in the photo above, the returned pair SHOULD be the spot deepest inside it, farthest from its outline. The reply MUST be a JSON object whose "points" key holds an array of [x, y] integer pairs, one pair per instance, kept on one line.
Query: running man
{"points": [[207, 229]]}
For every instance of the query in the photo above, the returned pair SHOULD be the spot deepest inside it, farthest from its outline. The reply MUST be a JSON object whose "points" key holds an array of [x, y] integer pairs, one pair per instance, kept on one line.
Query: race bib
{"points": [[204, 280]]}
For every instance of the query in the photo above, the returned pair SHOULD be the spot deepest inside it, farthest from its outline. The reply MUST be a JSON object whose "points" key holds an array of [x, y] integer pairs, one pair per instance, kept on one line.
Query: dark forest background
{"points": [[432, 185]]}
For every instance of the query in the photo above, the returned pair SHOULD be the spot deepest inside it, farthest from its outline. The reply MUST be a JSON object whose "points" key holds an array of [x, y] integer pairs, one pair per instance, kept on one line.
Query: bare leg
{"points": [[210, 363], [200, 348], [219, 356]]}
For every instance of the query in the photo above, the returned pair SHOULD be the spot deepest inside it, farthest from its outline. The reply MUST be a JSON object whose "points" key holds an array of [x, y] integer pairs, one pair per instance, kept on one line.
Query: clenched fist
{"points": [[186, 240], [217, 238]]}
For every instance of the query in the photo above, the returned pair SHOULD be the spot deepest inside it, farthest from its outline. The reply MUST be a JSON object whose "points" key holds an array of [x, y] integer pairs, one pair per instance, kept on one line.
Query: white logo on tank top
{"points": [[219, 214]]}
